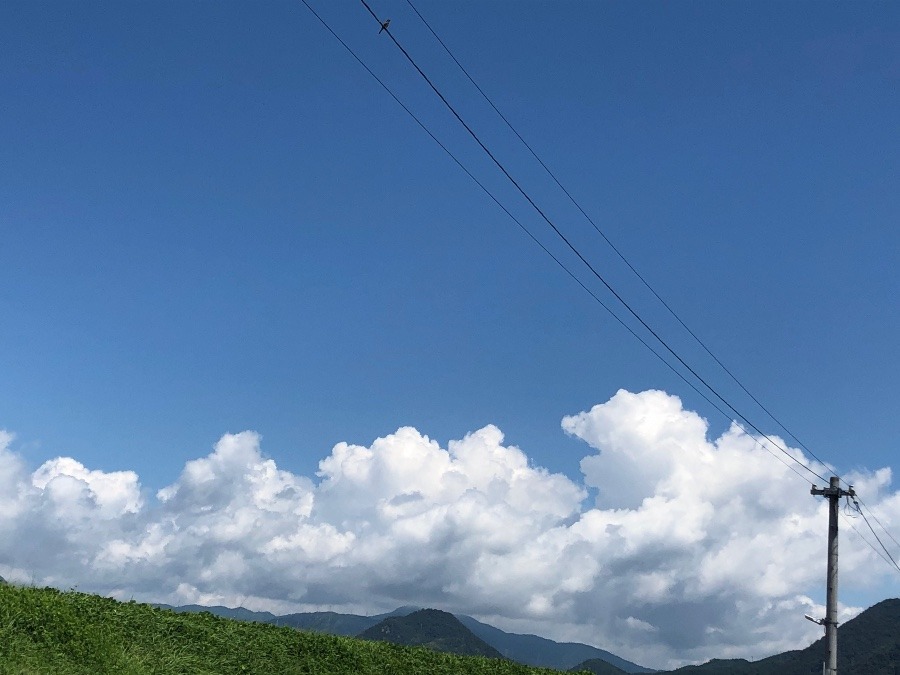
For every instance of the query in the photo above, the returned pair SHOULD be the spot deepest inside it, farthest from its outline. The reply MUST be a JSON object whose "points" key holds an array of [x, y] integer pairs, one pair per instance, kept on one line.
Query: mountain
{"points": [[538, 651], [238, 613], [531, 650], [432, 628], [867, 645], [328, 622], [333, 623]]}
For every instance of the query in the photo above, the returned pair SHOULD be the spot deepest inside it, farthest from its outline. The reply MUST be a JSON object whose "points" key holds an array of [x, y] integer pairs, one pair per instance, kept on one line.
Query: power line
{"points": [[884, 556], [859, 534], [568, 271], [875, 518], [544, 248], [866, 541], [568, 243], [606, 238], [875, 534], [878, 539]]}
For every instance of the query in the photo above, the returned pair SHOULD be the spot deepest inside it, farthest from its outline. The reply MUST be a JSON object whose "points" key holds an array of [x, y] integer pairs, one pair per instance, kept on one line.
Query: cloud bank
{"points": [[687, 548]]}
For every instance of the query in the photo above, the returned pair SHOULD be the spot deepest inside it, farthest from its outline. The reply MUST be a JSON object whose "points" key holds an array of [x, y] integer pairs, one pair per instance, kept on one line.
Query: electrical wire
{"points": [[875, 518], [878, 539], [536, 240], [867, 542], [609, 242], [857, 502], [569, 244], [886, 556]]}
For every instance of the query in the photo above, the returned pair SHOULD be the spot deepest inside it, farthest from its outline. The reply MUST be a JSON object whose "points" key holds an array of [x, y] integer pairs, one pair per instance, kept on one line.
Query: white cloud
{"points": [[695, 547], [75, 490]]}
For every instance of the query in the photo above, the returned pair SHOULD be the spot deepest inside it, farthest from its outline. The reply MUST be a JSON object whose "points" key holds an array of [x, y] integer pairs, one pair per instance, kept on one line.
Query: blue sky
{"points": [[213, 220]]}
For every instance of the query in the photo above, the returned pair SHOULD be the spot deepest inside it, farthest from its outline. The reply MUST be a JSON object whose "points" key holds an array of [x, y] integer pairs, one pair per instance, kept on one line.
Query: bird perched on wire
{"points": [[384, 26]]}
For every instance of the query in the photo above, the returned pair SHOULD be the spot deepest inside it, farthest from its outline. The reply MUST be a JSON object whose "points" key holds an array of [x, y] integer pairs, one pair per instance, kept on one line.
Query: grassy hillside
{"points": [[47, 631], [599, 667]]}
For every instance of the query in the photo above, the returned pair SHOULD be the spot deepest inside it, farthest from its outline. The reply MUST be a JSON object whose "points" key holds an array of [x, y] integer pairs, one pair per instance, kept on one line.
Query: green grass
{"points": [[46, 631]]}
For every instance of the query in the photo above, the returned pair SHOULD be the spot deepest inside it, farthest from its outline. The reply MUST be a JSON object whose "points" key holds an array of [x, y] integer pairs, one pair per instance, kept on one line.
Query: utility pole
{"points": [[833, 492]]}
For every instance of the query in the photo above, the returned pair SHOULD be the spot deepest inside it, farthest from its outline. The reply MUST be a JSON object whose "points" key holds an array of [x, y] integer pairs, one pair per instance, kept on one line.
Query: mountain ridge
{"points": [[531, 650], [868, 644], [534, 650]]}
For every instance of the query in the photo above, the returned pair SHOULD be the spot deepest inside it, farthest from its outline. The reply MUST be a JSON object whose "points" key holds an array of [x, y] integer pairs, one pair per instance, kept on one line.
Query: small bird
{"points": [[384, 26]]}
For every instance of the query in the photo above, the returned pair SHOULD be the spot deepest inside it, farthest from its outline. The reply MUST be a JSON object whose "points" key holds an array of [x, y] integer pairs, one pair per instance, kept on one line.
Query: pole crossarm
{"points": [[833, 491]]}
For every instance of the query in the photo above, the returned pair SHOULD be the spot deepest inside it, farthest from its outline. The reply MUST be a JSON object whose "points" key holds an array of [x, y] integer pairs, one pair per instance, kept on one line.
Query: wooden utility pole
{"points": [[833, 492]]}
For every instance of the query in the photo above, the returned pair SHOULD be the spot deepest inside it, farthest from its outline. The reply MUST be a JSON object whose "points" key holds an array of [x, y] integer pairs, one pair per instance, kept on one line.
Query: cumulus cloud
{"points": [[693, 547]]}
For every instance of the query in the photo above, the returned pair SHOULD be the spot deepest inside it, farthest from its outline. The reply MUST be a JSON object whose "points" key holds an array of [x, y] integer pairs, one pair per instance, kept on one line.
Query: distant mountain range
{"points": [[530, 650], [867, 645], [533, 650]]}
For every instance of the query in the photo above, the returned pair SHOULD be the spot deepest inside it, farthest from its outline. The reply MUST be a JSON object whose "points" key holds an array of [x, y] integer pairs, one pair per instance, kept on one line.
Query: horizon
{"points": [[467, 527], [408, 610]]}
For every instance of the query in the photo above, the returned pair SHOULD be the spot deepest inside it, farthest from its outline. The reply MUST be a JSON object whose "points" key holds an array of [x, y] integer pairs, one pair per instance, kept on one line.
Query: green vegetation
{"points": [[599, 667], [44, 631]]}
